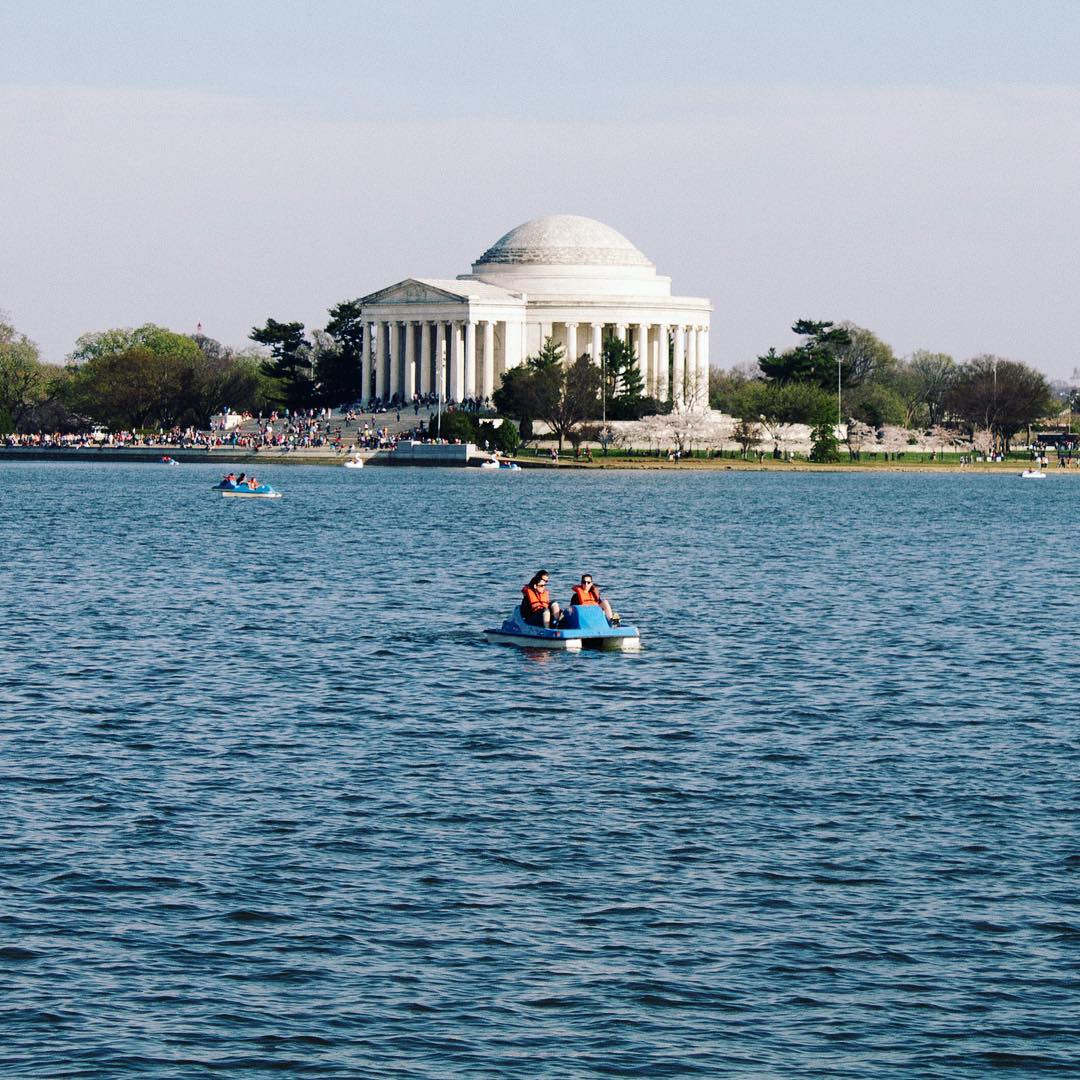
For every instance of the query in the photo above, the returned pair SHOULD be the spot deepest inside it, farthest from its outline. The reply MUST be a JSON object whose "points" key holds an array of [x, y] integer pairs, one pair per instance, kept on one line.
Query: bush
{"points": [[456, 425], [504, 438], [824, 446], [507, 439]]}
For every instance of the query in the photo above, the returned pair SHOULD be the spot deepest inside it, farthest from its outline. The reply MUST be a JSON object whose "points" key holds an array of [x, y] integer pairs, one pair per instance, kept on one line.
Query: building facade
{"points": [[569, 278]]}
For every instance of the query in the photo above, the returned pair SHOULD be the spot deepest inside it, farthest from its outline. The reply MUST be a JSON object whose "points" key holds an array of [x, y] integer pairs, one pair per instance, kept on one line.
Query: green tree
{"points": [[725, 387], [158, 340], [1001, 396], [22, 377], [504, 438], [457, 425], [824, 445], [812, 360], [338, 371], [569, 396], [520, 394], [225, 378], [932, 377], [135, 378], [623, 385], [747, 434], [131, 389], [864, 359], [877, 405], [783, 403], [290, 362]]}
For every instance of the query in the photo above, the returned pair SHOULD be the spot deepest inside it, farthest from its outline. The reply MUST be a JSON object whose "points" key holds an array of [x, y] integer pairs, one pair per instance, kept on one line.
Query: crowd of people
{"points": [[308, 429]]}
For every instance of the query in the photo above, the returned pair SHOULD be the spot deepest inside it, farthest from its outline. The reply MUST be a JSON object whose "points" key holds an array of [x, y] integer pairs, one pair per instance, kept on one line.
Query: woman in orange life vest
{"points": [[587, 593], [537, 607]]}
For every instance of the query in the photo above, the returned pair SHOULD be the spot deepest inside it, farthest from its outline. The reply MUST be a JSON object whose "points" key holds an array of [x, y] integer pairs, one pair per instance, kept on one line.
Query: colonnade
{"points": [[466, 358], [455, 358], [673, 358]]}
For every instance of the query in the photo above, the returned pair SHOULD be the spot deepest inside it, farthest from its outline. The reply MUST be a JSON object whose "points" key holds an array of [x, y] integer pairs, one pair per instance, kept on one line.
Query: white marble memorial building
{"points": [[570, 278]]}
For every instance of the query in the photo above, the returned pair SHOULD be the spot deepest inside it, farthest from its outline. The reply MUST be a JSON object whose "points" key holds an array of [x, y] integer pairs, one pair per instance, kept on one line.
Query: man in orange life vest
{"points": [[587, 593], [537, 607]]}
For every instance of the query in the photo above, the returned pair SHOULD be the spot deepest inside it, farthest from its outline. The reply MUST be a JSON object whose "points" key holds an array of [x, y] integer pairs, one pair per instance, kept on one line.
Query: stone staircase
{"points": [[351, 430]]}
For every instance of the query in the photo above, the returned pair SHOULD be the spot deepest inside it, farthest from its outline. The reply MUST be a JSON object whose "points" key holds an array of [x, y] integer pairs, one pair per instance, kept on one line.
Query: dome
{"points": [[563, 240]]}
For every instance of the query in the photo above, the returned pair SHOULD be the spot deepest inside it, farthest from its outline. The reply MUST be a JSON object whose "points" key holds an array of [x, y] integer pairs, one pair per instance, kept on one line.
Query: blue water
{"points": [[271, 804]]}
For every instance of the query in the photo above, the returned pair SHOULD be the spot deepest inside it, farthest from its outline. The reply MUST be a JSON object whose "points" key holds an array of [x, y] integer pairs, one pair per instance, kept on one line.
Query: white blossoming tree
{"points": [[858, 436], [893, 439]]}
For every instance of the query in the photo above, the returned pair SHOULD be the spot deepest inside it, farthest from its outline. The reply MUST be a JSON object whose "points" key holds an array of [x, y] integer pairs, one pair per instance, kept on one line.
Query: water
{"points": [[272, 805]]}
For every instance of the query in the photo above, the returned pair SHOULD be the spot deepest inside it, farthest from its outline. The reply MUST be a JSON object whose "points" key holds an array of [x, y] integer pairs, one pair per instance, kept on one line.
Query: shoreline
{"points": [[379, 458]]}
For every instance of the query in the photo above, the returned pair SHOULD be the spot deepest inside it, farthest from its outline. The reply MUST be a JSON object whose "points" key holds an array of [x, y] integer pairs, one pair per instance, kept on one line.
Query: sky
{"points": [[913, 167]]}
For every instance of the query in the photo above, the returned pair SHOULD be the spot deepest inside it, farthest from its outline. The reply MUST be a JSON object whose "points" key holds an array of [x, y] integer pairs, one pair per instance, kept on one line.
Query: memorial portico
{"points": [[569, 278]]}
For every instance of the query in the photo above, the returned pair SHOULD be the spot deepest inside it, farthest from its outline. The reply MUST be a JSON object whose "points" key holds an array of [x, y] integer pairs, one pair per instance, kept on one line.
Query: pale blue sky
{"points": [[911, 166]]}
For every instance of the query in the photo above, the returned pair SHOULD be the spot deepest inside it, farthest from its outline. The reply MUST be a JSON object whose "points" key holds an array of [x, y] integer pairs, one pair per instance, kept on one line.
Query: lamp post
{"points": [[839, 414], [439, 391], [603, 388]]}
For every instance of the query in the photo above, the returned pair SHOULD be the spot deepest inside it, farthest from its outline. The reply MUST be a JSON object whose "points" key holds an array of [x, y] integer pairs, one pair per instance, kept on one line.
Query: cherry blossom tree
{"points": [[893, 439], [858, 435], [983, 441]]}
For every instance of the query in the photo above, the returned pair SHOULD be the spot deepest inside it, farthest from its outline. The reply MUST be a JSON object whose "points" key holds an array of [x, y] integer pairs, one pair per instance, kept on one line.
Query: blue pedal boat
{"points": [[584, 627], [242, 491]]}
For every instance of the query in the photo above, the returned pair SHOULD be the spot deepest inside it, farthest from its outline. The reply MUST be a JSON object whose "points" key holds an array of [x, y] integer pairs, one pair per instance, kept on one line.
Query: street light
{"points": [[839, 415]]}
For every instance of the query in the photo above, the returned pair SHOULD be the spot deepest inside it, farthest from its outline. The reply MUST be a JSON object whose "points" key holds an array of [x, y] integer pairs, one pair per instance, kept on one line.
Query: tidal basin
{"points": [[273, 805]]}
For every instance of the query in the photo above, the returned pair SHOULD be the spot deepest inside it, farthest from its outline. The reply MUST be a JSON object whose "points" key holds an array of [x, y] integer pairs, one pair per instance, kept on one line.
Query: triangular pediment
{"points": [[411, 291]]}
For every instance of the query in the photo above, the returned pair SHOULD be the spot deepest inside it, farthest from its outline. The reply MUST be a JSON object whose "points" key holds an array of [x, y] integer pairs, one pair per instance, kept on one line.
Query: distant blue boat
{"points": [[242, 491]]}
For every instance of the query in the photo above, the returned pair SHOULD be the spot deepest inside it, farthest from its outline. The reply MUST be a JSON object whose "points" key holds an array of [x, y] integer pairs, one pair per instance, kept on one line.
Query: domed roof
{"points": [[564, 240]]}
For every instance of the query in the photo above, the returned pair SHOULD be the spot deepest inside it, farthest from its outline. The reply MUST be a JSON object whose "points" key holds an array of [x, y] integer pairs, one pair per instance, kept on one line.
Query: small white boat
{"points": [[489, 465], [1033, 474], [355, 462]]}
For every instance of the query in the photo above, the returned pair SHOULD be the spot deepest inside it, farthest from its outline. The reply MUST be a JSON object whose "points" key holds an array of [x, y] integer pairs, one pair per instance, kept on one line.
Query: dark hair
{"points": [[584, 576], [536, 578]]}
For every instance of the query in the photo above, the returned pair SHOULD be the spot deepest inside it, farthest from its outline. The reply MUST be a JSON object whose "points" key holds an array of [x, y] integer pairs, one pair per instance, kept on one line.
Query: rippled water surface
{"points": [[272, 805]]}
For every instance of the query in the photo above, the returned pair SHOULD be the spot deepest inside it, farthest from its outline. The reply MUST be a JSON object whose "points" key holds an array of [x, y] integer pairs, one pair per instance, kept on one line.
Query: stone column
{"points": [[691, 365], [469, 386], [703, 360], [410, 361], [439, 372], [365, 363], [660, 373], [380, 359], [620, 331], [392, 361], [455, 363], [643, 355], [662, 363], [545, 332], [678, 367], [571, 341], [597, 342], [487, 382], [425, 357]]}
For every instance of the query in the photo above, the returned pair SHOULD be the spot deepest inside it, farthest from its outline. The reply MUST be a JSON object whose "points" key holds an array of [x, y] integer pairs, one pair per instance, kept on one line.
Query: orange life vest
{"points": [[583, 595], [535, 599]]}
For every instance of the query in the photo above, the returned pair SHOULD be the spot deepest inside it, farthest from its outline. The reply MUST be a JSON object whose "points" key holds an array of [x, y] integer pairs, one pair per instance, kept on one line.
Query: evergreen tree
{"points": [[813, 360], [338, 372], [290, 362], [824, 446], [550, 355], [624, 386]]}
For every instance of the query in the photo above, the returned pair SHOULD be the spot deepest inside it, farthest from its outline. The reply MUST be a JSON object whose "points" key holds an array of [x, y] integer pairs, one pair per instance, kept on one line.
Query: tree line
{"points": [[848, 364], [151, 377]]}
